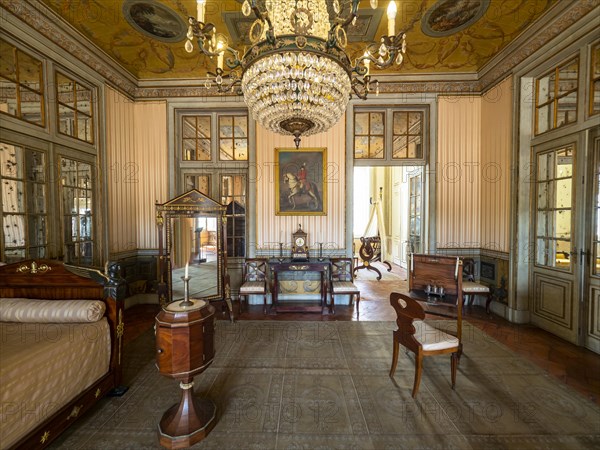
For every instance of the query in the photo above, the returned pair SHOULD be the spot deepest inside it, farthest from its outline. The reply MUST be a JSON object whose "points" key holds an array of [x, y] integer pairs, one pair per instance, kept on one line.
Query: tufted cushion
{"points": [[343, 287], [50, 311], [432, 338], [253, 287], [471, 287]]}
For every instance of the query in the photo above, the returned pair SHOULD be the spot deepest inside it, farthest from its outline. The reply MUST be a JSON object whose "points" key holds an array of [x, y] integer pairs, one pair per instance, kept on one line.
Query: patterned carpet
{"points": [[325, 385]]}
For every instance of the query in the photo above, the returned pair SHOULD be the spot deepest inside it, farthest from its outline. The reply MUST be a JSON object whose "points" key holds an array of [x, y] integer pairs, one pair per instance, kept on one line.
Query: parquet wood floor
{"points": [[572, 365]]}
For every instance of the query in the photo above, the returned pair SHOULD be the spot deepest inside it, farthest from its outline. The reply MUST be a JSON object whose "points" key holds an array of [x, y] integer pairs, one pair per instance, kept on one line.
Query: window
{"points": [[233, 196], [556, 97], [369, 136], [554, 186], [199, 182], [233, 138], [595, 80], [75, 114], [21, 85], [407, 135], [24, 203], [414, 226], [392, 136], [196, 132], [77, 210]]}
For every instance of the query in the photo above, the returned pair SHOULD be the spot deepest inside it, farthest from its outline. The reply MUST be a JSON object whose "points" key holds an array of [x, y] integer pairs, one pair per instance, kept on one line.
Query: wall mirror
{"points": [[192, 237]]}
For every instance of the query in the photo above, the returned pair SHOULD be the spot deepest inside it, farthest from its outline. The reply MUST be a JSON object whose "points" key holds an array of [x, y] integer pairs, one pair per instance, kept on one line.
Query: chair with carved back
{"points": [[254, 280], [342, 282], [471, 288], [443, 271], [420, 338]]}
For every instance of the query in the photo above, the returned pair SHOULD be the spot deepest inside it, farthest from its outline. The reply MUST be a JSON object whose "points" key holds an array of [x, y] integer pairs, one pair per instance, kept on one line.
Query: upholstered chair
{"points": [[420, 338], [471, 288], [255, 281]]}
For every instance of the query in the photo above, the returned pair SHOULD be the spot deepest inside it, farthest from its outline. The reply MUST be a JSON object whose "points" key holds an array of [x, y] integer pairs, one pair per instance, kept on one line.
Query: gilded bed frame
{"points": [[53, 280]]}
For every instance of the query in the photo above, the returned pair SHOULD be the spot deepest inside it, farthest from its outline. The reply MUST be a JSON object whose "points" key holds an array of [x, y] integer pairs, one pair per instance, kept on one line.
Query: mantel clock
{"points": [[299, 245]]}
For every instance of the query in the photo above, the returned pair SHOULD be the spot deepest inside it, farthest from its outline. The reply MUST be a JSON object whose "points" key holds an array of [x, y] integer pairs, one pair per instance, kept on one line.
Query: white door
{"points": [[398, 212], [557, 210], [591, 256]]}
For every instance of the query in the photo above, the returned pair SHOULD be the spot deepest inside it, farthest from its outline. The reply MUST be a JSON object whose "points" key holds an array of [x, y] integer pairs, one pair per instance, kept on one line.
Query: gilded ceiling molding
{"points": [[204, 94], [532, 43], [45, 22]]}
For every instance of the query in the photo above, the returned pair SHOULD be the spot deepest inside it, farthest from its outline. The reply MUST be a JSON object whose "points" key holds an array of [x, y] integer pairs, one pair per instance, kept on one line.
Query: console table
{"points": [[277, 266]]}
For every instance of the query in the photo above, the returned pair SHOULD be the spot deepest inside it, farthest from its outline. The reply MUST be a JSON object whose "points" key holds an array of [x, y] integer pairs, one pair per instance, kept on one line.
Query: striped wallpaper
{"points": [[136, 153], [272, 229]]}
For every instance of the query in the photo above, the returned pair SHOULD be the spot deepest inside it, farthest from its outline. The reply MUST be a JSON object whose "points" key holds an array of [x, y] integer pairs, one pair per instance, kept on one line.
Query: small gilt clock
{"points": [[299, 245]]}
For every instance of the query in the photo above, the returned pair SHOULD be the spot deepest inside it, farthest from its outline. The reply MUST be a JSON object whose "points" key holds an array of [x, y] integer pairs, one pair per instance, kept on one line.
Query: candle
{"points": [[187, 266], [200, 5], [220, 61], [367, 63], [456, 269], [391, 13]]}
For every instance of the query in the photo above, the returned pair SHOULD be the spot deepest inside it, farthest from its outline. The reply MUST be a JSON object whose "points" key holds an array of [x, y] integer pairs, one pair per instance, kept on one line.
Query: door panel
{"points": [[555, 272], [592, 279]]}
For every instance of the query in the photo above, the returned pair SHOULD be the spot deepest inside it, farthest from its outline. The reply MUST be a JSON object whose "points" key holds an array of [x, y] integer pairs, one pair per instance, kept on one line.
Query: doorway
{"points": [[565, 273], [400, 191]]}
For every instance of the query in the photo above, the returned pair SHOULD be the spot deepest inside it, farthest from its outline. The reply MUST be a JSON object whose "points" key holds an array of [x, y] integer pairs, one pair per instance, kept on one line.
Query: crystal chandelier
{"points": [[296, 77]]}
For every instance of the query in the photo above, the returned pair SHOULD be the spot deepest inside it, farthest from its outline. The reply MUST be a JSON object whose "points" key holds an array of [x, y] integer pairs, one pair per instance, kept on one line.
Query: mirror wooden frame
{"points": [[191, 204]]}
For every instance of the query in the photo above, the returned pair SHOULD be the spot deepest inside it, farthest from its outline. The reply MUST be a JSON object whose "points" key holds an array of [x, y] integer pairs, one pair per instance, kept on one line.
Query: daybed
{"points": [[61, 331]]}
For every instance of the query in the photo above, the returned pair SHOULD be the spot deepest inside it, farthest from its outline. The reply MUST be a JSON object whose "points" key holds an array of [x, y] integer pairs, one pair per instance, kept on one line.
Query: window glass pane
{"points": [[545, 118], [361, 147], [361, 123], [400, 147], [84, 128], [543, 224], [541, 252], [567, 77], [30, 71], [241, 149], [226, 149], [65, 89], [11, 161], [203, 127], [8, 66], [203, 150], [563, 254], [226, 126], [415, 119], [542, 197], [14, 230], [8, 97], [189, 127], [199, 182], [376, 147], [545, 86], [31, 107], [400, 123], [37, 198], [563, 224], [414, 147], [596, 96], [241, 126], [37, 252], [567, 109], [376, 123]]}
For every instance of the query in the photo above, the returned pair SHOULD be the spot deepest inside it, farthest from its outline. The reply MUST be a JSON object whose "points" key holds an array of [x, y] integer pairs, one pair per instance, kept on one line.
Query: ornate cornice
{"points": [[55, 29], [44, 21]]}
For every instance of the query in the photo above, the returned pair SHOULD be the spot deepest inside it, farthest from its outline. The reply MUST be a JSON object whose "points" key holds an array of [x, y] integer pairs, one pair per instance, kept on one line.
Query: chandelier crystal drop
{"points": [[296, 77]]}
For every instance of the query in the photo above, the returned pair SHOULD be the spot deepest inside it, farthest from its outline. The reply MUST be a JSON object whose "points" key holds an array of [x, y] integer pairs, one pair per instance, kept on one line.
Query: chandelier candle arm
{"points": [[297, 78]]}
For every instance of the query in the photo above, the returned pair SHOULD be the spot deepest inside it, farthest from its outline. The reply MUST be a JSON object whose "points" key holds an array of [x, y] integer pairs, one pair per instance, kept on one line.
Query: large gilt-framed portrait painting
{"points": [[301, 182]]}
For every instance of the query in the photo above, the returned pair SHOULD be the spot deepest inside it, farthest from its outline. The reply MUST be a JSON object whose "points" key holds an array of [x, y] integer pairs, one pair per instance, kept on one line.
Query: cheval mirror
{"points": [[192, 240]]}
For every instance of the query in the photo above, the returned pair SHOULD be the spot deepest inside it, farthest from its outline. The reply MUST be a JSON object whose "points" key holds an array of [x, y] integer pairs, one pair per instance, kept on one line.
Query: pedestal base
{"points": [[187, 422]]}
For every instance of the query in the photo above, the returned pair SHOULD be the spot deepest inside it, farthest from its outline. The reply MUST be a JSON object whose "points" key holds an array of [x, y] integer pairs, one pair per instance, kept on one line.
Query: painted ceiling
{"points": [[147, 37]]}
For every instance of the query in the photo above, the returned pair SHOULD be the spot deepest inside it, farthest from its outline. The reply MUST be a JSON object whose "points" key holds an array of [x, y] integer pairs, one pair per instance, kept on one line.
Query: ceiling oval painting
{"points": [[447, 17], [154, 20]]}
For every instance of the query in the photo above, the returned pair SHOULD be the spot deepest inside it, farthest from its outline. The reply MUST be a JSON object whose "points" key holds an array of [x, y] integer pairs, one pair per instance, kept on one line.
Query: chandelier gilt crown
{"points": [[296, 77]]}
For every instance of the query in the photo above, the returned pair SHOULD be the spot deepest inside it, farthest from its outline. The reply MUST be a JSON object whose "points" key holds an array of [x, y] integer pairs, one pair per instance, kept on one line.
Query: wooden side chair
{"points": [[342, 282], [420, 338], [471, 288], [254, 280]]}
